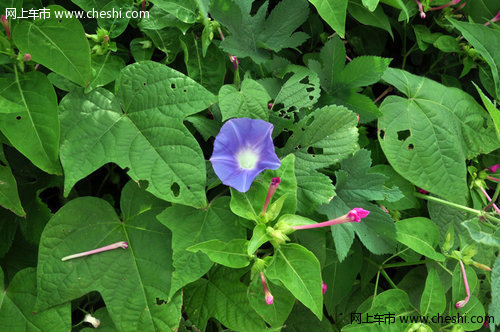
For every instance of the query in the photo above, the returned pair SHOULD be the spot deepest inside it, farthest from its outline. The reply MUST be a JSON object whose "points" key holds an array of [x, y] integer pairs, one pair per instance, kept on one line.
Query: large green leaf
{"points": [[427, 136], [482, 234], [141, 129], [252, 36], [485, 40], [299, 271], [333, 12], [192, 226], [122, 275], [249, 102], [29, 118], [323, 138], [16, 306], [223, 297], [421, 235], [433, 301], [57, 43]]}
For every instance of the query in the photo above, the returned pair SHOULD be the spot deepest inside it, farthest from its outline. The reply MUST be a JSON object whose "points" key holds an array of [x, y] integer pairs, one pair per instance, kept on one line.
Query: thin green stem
{"points": [[401, 264], [444, 268], [393, 256], [491, 218], [376, 286], [404, 47], [442, 201], [389, 280]]}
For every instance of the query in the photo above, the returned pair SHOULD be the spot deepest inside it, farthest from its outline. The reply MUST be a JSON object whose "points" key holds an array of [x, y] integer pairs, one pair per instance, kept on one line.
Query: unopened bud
{"points": [[27, 57], [481, 266]]}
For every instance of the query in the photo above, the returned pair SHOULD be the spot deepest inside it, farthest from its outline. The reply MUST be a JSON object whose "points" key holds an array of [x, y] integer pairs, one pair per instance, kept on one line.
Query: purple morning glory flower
{"points": [[242, 149]]}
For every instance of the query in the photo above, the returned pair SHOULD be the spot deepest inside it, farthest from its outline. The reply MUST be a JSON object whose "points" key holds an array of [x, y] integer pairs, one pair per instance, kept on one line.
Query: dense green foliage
{"points": [[108, 124]]}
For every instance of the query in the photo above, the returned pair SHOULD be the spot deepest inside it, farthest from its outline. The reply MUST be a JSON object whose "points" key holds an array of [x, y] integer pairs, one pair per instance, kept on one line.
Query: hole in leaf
{"points": [[411, 146], [382, 134], [172, 86], [144, 83], [189, 187], [298, 147], [160, 301], [310, 150], [305, 80], [311, 97], [310, 89], [403, 135], [303, 129], [184, 90], [60, 21], [175, 189], [18, 117]]}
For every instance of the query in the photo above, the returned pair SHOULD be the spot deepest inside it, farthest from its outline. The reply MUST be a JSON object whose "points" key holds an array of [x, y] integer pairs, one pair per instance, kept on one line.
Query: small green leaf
{"points": [[249, 205], [490, 107], [333, 12], [447, 44], [288, 184], [231, 254], [433, 301], [57, 43], [374, 17], [105, 69], [299, 271], [250, 102], [9, 196], [259, 237], [481, 235], [363, 71], [421, 235]]}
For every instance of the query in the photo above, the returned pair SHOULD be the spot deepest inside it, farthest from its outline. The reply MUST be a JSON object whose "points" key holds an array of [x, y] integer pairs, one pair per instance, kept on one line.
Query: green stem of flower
{"points": [[401, 264], [389, 280], [457, 206]]}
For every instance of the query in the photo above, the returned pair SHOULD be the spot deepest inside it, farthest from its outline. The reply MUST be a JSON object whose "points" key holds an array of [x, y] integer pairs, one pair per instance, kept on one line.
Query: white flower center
{"points": [[247, 159]]}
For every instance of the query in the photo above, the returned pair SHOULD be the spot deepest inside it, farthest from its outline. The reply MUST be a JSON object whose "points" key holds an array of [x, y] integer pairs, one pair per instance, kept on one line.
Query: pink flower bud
{"points": [[357, 213], [27, 57], [323, 287], [494, 168]]}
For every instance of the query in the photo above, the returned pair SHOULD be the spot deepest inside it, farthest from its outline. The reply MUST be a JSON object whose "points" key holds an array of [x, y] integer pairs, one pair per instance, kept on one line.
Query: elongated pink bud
{"points": [[268, 296], [275, 182], [323, 287], [420, 8], [493, 20], [355, 215], [494, 168], [462, 303], [6, 25], [121, 244]]}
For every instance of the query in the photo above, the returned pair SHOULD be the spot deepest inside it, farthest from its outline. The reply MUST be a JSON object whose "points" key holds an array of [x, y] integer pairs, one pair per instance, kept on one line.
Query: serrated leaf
{"points": [[323, 138], [121, 275], [31, 123], [333, 12], [139, 129], [299, 271], [302, 89], [251, 36], [231, 254], [394, 180], [445, 126], [57, 43], [333, 57], [421, 235], [433, 301], [484, 40], [249, 102], [16, 306], [224, 298], [192, 226]]}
